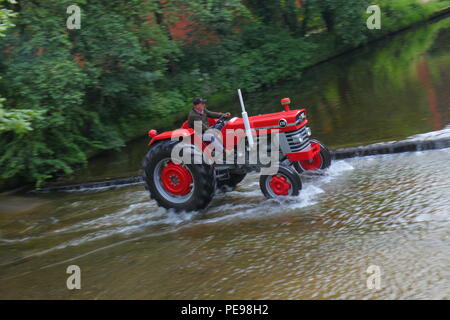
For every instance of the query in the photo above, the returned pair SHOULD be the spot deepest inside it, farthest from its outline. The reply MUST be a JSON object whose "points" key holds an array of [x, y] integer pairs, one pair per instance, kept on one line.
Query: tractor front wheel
{"points": [[285, 183], [321, 161]]}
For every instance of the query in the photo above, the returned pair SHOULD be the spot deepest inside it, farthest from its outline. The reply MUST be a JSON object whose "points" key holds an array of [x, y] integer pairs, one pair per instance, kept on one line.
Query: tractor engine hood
{"points": [[270, 120]]}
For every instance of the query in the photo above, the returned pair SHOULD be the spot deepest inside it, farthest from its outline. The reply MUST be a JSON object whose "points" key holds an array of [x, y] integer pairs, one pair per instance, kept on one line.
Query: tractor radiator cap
{"points": [[285, 101]]}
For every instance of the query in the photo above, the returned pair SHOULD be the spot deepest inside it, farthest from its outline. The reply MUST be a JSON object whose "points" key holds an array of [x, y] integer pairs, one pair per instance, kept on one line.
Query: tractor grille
{"points": [[289, 142]]}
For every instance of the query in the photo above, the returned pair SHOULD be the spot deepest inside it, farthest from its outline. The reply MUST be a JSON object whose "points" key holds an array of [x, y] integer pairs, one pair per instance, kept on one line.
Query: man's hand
{"points": [[227, 115]]}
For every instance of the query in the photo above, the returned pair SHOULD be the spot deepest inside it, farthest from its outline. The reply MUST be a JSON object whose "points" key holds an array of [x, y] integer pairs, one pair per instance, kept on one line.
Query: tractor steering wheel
{"points": [[220, 122]]}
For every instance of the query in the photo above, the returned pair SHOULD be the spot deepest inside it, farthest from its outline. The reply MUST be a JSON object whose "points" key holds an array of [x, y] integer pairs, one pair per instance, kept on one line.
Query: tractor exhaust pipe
{"points": [[248, 131]]}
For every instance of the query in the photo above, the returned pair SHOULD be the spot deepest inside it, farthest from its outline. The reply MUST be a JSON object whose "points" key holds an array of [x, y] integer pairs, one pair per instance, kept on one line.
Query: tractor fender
{"points": [[172, 134]]}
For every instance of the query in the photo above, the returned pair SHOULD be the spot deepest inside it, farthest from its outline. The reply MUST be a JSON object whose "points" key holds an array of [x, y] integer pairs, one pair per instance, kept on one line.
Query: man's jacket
{"points": [[196, 116]]}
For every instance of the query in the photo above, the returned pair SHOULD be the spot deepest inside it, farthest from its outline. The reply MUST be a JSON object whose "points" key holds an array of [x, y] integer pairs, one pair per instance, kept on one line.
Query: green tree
{"points": [[89, 86], [12, 120]]}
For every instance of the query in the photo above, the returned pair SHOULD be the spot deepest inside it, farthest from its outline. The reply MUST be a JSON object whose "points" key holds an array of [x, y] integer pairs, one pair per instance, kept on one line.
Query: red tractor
{"points": [[191, 185]]}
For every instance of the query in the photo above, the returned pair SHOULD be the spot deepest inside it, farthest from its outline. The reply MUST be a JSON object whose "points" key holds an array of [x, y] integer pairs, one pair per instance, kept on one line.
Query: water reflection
{"points": [[387, 91]]}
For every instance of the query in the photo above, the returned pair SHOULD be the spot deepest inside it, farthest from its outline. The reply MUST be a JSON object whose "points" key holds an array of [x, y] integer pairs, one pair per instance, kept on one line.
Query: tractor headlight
{"points": [[308, 131]]}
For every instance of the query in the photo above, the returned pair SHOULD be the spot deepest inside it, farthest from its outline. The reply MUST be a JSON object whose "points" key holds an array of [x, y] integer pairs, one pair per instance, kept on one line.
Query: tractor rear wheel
{"points": [[179, 186], [285, 183], [321, 161]]}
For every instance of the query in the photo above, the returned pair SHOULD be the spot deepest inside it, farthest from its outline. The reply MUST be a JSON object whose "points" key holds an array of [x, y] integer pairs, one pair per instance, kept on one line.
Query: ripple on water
{"points": [[390, 210]]}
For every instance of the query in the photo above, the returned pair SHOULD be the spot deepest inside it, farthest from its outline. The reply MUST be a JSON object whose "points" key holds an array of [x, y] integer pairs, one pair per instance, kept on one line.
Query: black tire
{"points": [[232, 182], [203, 188], [325, 155], [290, 176]]}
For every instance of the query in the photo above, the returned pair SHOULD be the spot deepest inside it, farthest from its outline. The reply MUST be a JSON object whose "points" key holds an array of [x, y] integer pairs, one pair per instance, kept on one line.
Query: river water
{"points": [[389, 211]]}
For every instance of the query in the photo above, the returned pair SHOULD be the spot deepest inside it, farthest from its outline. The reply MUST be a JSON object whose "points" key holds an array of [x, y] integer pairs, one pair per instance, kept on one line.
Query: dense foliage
{"points": [[68, 94]]}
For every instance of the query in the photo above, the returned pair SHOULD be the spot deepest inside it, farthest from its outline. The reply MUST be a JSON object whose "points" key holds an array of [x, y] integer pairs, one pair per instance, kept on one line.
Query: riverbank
{"points": [[325, 53]]}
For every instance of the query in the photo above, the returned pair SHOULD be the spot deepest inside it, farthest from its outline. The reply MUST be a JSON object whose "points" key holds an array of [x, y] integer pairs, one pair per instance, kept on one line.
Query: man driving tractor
{"points": [[200, 114], [188, 186]]}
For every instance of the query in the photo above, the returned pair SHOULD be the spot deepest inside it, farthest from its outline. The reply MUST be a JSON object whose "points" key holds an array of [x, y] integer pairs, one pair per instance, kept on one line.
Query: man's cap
{"points": [[198, 101]]}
